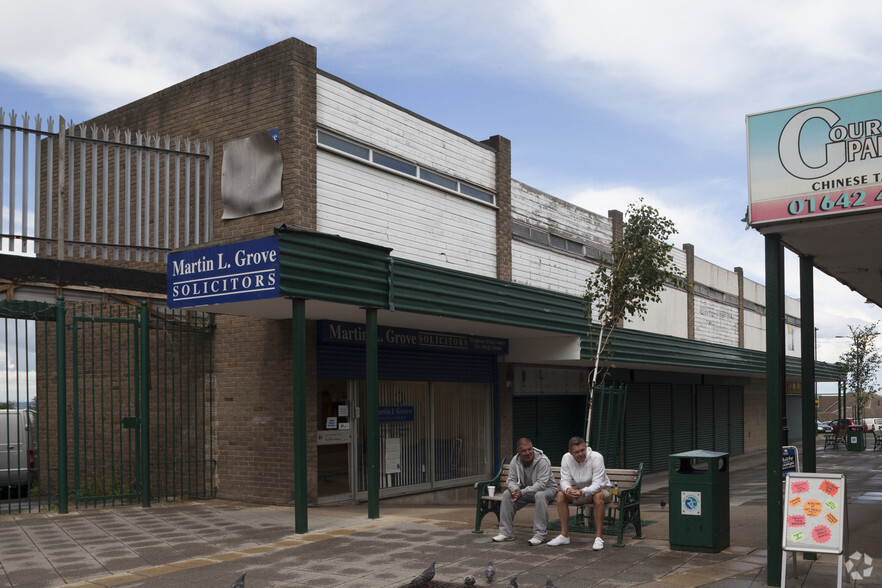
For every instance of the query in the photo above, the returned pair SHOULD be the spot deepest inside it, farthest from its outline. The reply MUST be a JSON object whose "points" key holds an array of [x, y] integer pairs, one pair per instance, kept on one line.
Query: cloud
{"points": [[697, 67], [689, 68], [712, 225], [104, 54]]}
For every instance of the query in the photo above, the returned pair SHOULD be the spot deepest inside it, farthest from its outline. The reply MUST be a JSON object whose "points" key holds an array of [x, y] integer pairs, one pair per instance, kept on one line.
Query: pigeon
{"points": [[240, 583], [490, 571], [513, 583], [469, 580], [425, 577], [549, 583], [662, 504]]}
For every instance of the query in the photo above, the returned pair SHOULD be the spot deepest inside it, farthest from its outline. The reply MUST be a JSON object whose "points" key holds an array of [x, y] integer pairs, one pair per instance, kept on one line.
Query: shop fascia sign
{"points": [[235, 272], [333, 332], [816, 160]]}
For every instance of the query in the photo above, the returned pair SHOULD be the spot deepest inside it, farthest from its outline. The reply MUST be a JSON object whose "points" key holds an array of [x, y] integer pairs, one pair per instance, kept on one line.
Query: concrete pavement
{"points": [[210, 543]]}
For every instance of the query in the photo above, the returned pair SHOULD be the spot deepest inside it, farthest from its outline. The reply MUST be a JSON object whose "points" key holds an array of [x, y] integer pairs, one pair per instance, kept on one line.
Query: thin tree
{"points": [[860, 363], [637, 269]]}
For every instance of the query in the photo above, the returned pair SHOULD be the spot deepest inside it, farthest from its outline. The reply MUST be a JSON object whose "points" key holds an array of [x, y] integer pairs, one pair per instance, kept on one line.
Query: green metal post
{"points": [[775, 377], [372, 408], [808, 357], [144, 397], [299, 377], [61, 404], [840, 386], [807, 343]]}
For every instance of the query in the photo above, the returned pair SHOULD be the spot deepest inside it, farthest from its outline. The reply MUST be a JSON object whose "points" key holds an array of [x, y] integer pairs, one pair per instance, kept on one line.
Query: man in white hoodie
{"points": [[583, 479], [530, 480]]}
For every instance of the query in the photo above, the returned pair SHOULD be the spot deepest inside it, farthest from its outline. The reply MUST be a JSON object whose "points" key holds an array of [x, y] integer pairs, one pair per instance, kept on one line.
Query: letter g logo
{"points": [[789, 148]]}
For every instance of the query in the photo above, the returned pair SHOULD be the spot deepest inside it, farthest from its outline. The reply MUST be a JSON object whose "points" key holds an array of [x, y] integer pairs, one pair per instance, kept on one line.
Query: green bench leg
{"points": [[485, 508]]}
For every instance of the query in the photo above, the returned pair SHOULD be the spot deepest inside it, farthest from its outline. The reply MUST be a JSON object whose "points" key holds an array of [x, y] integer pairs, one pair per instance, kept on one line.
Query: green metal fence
{"points": [[120, 402], [607, 410]]}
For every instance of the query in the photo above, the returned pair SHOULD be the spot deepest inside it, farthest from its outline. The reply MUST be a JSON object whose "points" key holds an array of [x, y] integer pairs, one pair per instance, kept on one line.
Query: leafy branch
{"points": [[637, 269], [860, 363]]}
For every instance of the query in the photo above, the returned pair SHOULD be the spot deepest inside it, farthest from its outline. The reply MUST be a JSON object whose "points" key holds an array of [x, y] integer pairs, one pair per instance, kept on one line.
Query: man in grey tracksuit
{"points": [[530, 481]]}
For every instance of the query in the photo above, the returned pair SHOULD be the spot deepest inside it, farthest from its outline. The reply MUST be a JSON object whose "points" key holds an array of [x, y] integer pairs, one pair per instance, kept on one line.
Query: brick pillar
{"points": [[689, 249], [740, 272], [618, 224], [503, 204]]}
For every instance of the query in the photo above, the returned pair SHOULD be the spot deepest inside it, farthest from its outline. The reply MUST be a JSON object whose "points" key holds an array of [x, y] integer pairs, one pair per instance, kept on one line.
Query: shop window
{"points": [[476, 193], [438, 179], [393, 163], [377, 158], [342, 145], [431, 434], [461, 413]]}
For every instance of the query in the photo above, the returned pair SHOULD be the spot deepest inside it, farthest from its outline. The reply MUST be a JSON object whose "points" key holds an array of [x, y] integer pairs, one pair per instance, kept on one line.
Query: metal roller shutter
{"points": [[638, 445], [704, 417], [344, 362], [682, 418], [549, 422], [660, 425], [794, 417], [736, 420], [721, 419]]}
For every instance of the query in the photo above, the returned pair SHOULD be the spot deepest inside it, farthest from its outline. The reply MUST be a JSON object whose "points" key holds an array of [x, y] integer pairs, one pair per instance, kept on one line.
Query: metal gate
{"points": [[119, 400], [107, 424]]}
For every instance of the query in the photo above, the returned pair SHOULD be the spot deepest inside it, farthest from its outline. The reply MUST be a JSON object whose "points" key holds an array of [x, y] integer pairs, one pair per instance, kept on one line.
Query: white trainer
{"points": [[534, 541], [559, 540], [499, 538], [598, 544]]}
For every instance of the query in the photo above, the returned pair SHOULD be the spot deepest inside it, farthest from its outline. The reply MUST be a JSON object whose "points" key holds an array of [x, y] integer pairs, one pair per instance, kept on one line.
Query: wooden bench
{"points": [[615, 519]]}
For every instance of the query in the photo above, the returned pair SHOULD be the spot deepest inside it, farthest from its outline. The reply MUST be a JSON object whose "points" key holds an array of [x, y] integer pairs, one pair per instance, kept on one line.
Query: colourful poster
{"points": [[814, 513]]}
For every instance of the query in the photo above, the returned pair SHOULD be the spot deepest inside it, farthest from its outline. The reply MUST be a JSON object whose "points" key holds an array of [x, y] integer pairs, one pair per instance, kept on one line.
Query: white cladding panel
{"points": [[544, 267], [716, 322], [668, 317], [754, 331], [716, 277], [539, 210], [419, 223], [679, 260], [358, 115], [754, 292]]}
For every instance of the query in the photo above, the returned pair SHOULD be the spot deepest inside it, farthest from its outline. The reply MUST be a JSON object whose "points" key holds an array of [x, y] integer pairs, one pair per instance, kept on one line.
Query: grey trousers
{"points": [[508, 509]]}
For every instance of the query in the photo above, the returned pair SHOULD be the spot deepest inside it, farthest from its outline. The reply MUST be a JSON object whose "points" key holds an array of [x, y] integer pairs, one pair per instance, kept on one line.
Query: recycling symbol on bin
{"points": [[691, 503]]}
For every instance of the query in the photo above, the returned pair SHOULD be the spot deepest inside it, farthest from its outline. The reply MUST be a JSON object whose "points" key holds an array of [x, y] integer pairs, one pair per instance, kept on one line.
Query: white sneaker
{"points": [[559, 540], [499, 538], [534, 541], [598, 544]]}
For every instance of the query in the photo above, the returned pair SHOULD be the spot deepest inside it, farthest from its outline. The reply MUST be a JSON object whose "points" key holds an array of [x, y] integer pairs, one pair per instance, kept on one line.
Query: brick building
{"points": [[476, 282]]}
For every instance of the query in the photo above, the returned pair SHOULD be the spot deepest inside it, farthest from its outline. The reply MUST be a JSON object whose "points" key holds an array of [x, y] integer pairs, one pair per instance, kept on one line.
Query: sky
{"points": [[604, 102]]}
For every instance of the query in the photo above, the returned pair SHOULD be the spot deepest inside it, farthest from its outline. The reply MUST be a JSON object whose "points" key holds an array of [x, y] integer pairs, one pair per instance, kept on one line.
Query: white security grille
{"points": [[99, 193]]}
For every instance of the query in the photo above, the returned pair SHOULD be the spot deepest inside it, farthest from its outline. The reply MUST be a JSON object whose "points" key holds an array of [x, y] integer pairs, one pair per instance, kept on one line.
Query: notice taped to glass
{"points": [[815, 513]]}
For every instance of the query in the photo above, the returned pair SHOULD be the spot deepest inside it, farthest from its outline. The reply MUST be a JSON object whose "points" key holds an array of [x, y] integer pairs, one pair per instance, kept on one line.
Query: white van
{"points": [[873, 424], [18, 445]]}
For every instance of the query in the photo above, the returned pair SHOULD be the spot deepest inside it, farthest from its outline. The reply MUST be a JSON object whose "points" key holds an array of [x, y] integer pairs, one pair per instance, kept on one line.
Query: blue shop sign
{"points": [[395, 414], [234, 272], [339, 333]]}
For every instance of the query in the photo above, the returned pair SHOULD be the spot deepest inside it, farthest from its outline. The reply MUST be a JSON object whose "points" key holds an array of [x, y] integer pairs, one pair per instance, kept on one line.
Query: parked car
{"points": [[845, 424], [18, 445], [824, 428], [874, 424]]}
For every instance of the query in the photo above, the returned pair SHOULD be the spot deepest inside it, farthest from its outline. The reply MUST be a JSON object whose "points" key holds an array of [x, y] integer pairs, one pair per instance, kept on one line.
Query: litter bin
{"points": [[854, 438], [698, 492]]}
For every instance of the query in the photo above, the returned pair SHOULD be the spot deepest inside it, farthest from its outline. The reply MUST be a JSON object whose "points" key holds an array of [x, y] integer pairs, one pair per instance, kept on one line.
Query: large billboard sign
{"points": [[815, 160], [233, 272]]}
